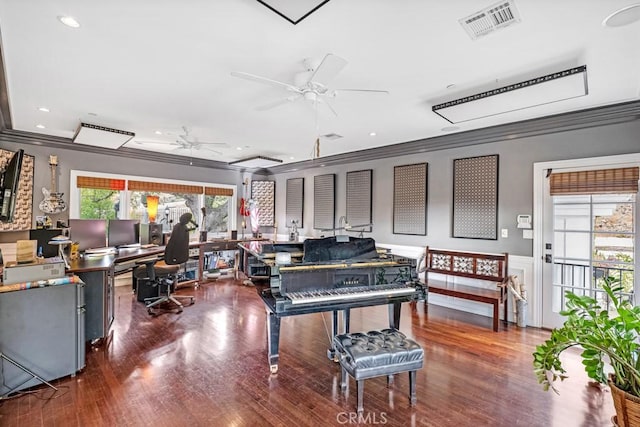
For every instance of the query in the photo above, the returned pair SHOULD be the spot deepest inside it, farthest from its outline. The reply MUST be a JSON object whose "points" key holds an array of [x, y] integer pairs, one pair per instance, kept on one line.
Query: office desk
{"points": [[213, 246], [98, 273]]}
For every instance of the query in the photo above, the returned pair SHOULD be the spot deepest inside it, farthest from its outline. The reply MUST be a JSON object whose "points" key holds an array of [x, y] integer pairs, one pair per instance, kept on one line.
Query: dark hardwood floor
{"points": [[208, 367]]}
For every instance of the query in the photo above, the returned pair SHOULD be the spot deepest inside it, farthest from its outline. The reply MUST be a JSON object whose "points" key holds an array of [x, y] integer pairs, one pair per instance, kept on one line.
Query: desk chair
{"points": [[165, 274]]}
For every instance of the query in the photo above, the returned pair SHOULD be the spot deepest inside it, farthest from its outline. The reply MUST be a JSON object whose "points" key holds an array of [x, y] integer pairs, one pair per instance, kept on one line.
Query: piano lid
{"points": [[333, 249]]}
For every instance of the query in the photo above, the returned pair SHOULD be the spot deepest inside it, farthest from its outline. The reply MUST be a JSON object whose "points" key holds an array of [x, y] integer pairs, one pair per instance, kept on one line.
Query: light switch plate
{"points": [[505, 233], [527, 234]]}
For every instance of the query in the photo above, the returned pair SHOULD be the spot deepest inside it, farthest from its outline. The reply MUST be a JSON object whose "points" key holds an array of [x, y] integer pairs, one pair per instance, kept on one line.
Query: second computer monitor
{"points": [[89, 233], [122, 232]]}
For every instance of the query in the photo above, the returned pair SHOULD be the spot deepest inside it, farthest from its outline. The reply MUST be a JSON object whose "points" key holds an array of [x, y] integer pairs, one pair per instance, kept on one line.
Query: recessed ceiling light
{"points": [[43, 109], [451, 86], [239, 148], [69, 21], [93, 114], [40, 126], [158, 132], [450, 128], [625, 16], [372, 134], [291, 158]]}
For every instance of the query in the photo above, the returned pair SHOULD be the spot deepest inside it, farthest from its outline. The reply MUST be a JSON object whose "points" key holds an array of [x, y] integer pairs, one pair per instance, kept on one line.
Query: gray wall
{"points": [[517, 157]]}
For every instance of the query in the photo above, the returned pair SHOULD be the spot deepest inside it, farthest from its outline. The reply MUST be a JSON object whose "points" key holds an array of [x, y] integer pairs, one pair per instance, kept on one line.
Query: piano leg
{"points": [[346, 319], [394, 315], [331, 352], [273, 337]]}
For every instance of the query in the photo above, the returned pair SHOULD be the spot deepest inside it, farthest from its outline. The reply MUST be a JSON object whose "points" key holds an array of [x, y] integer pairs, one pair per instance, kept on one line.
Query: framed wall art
{"points": [[264, 192], [295, 201], [324, 202], [475, 197], [359, 199], [410, 199]]}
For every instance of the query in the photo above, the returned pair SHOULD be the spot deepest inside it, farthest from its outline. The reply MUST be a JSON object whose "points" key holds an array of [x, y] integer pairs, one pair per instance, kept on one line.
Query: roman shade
{"points": [[217, 191], [162, 187], [100, 183], [621, 180]]}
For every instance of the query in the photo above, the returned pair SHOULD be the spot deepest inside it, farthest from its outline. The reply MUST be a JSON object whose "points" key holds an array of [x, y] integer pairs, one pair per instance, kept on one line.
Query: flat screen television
{"points": [[122, 232], [9, 186], [89, 233]]}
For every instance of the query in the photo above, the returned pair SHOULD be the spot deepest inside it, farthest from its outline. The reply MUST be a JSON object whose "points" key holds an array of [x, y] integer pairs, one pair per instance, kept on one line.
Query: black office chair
{"points": [[165, 274]]}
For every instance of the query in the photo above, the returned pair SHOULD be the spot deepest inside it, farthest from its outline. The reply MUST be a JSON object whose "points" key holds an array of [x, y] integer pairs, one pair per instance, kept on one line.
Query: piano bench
{"points": [[376, 353]]}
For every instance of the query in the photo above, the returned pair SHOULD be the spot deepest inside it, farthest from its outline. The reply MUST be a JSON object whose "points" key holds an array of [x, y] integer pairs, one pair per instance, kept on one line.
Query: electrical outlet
{"points": [[505, 233]]}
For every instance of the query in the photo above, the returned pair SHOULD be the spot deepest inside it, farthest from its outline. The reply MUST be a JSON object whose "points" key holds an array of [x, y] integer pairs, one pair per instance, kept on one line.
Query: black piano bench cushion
{"points": [[377, 353]]}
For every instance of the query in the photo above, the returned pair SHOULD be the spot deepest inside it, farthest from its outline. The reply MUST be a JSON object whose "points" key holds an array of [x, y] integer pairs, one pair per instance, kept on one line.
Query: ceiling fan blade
{"points": [[328, 69], [197, 143], [278, 102], [325, 102], [149, 142], [336, 91], [219, 153], [265, 80]]}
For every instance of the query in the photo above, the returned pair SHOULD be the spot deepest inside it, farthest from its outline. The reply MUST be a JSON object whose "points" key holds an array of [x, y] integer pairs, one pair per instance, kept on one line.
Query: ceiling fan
{"points": [[311, 85], [188, 143], [185, 142]]}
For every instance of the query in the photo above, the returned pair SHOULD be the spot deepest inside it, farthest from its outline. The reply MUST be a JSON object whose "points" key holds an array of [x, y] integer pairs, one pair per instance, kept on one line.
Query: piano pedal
{"points": [[332, 355]]}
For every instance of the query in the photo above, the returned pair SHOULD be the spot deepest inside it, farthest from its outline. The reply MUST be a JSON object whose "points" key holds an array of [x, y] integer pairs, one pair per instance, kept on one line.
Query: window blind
{"points": [[100, 183], [621, 180], [162, 187], [216, 191]]}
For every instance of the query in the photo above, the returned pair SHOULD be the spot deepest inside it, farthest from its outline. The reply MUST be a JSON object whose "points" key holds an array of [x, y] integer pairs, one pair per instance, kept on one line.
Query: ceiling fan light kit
{"points": [[559, 86], [256, 162], [101, 136]]}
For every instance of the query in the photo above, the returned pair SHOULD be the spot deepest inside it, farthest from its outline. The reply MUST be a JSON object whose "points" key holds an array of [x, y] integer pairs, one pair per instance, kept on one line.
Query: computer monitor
{"points": [[122, 232], [89, 233], [9, 181]]}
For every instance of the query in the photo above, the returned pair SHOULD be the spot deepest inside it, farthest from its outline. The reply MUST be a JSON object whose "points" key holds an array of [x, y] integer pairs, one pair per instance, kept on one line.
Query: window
{"points": [[217, 219], [97, 196], [594, 238]]}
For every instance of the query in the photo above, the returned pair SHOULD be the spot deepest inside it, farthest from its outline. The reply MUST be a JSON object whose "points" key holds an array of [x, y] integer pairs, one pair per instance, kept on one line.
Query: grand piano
{"points": [[335, 274]]}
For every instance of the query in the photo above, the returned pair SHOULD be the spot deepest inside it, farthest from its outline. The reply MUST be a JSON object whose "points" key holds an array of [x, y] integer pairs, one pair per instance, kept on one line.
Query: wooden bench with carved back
{"points": [[472, 265]]}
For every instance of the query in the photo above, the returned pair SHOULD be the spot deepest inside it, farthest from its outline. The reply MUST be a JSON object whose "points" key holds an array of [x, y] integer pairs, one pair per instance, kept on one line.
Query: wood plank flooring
{"points": [[208, 367]]}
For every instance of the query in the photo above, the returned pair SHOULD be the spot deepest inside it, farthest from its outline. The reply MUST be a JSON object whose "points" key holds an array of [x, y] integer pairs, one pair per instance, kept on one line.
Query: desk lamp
{"points": [[152, 207]]}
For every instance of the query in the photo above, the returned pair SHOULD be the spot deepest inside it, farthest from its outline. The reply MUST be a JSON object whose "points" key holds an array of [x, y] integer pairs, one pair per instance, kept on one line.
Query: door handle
{"points": [[548, 258]]}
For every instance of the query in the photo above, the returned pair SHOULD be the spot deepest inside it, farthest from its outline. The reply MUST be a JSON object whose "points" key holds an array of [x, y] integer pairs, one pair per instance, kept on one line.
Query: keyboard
{"points": [[130, 246], [97, 251], [349, 293]]}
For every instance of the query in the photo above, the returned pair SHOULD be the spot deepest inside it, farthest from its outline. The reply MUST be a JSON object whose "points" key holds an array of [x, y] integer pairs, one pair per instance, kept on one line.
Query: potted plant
{"points": [[609, 342]]}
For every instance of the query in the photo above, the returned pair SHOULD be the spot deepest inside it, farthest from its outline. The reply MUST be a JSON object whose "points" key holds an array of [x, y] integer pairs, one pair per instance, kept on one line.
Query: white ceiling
{"points": [[145, 66]]}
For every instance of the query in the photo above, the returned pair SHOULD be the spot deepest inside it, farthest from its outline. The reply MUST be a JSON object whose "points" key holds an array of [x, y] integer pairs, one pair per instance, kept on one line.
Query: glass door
{"points": [[588, 238]]}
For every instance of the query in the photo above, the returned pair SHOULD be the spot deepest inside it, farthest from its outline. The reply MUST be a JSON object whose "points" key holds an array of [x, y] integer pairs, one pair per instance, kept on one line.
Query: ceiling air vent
{"points": [[490, 19], [331, 136]]}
